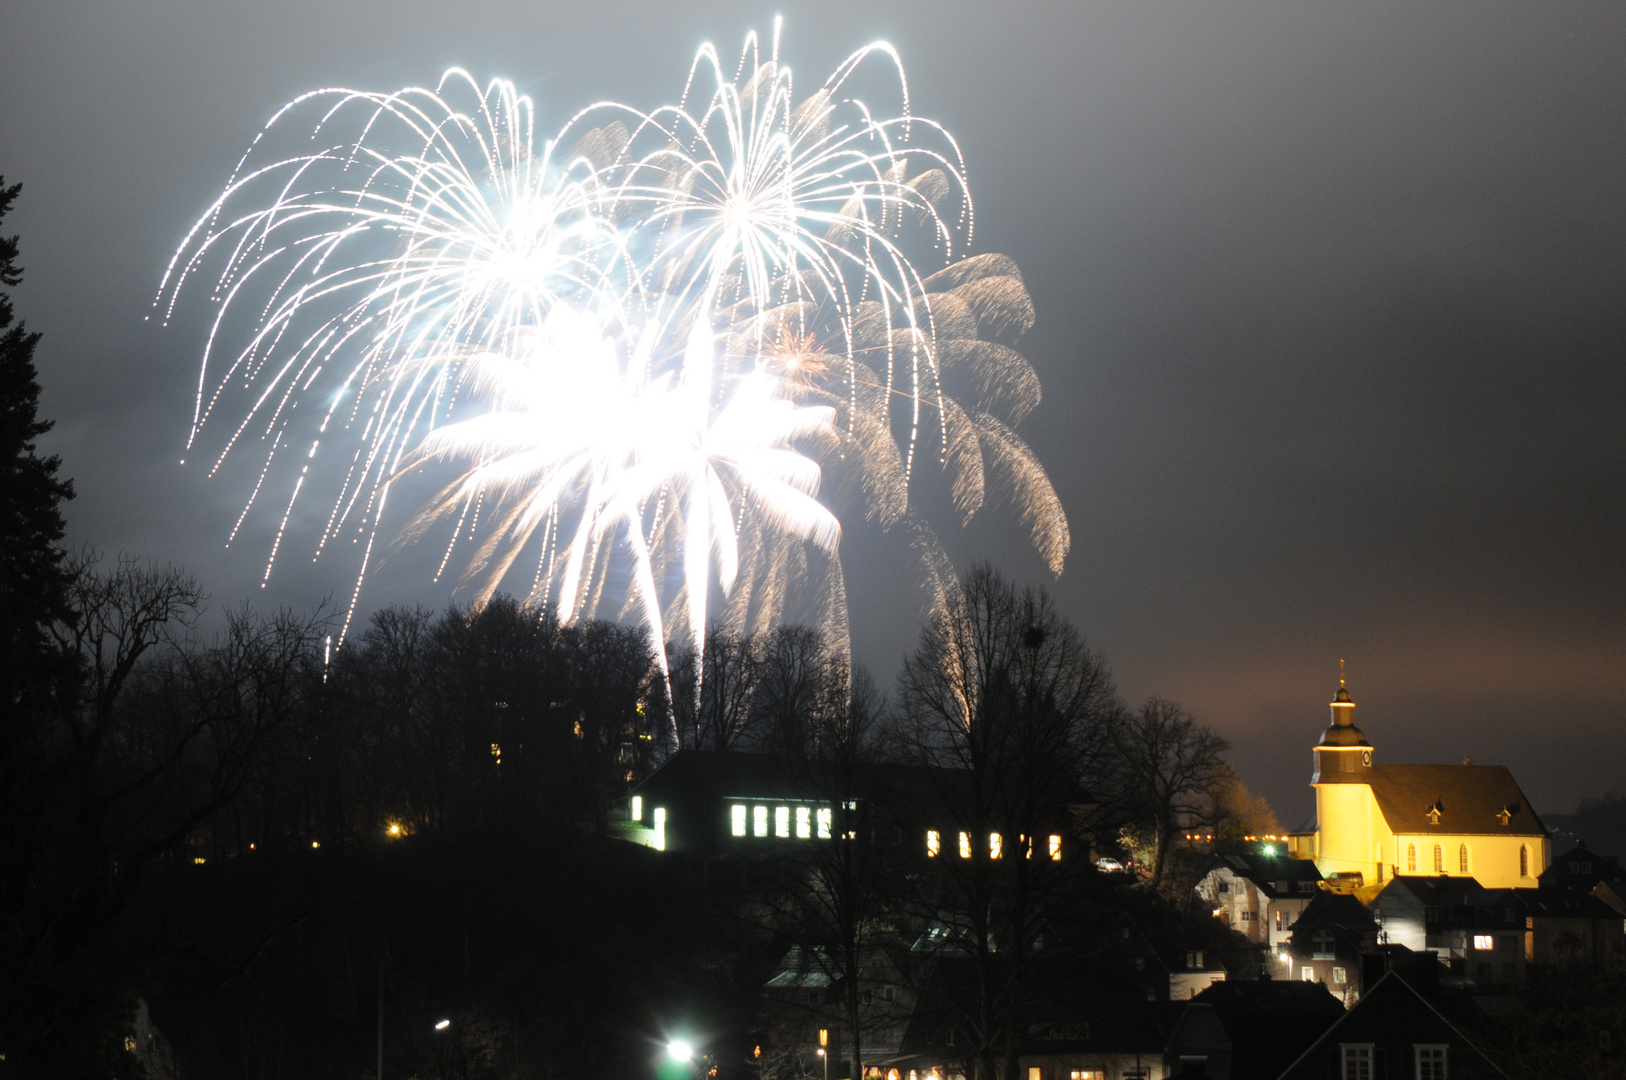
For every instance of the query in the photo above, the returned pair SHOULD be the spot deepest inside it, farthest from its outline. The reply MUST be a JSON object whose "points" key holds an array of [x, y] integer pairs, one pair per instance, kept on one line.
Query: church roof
{"points": [[1453, 800]]}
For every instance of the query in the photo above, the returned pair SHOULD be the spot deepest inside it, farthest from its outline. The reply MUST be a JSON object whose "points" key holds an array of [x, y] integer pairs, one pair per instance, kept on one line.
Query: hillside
{"points": [[1600, 822]]}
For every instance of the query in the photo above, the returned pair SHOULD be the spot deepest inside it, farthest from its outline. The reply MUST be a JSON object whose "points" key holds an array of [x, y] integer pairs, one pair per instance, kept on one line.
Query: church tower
{"points": [[1343, 799]]}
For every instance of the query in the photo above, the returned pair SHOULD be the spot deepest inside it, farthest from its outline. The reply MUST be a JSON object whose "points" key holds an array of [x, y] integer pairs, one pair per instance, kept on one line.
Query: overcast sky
{"points": [[1330, 320]]}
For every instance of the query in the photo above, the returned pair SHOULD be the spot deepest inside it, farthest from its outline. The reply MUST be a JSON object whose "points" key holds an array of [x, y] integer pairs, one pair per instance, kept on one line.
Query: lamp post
{"points": [[826, 1058]]}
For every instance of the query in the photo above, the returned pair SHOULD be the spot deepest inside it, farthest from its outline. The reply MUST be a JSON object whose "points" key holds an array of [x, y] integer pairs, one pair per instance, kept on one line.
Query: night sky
{"points": [[1330, 321]]}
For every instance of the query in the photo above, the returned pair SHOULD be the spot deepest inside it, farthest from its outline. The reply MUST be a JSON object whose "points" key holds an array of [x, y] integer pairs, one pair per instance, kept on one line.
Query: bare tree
{"points": [[1008, 704], [718, 716], [1167, 772], [842, 889], [796, 677], [149, 736]]}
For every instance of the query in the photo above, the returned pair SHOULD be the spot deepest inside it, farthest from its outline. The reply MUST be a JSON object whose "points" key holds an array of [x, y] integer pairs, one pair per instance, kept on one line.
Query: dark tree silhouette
{"points": [[1169, 772], [33, 579], [1005, 697]]}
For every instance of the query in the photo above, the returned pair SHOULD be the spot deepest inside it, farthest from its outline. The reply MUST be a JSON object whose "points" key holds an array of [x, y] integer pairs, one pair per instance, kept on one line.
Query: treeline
{"points": [[153, 746]]}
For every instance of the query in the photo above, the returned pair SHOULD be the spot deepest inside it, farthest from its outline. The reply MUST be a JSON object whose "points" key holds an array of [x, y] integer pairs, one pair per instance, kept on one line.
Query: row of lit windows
{"points": [[803, 822], [1462, 859], [996, 845]]}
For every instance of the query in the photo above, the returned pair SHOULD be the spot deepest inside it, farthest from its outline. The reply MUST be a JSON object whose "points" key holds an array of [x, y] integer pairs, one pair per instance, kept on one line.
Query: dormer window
{"points": [[1434, 814]]}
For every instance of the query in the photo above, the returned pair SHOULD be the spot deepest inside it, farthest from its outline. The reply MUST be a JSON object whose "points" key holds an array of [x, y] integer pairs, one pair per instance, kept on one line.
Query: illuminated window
{"points": [[1357, 1061], [660, 828], [996, 845], [1338, 976], [1439, 859], [781, 821], [1430, 1062], [1308, 975], [824, 817], [1035, 1073], [1483, 942], [736, 819], [759, 821], [804, 822], [1055, 847], [1278, 918], [637, 808], [965, 845], [1462, 858], [934, 843], [1411, 858], [1524, 862]]}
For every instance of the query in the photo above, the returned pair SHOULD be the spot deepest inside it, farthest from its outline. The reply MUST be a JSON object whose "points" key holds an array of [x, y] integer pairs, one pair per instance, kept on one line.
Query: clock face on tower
{"points": [[1366, 757]]}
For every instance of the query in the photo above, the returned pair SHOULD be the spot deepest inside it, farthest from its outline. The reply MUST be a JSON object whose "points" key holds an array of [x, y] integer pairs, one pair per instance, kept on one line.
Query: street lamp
{"points": [[680, 1051], [443, 1025], [826, 1058]]}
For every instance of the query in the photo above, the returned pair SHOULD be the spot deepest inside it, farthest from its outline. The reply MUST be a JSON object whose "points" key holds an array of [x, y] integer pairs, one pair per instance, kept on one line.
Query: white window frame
{"points": [[1424, 1054], [737, 815], [1357, 1061], [804, 822], [759, 821], [824, 818], [660, 828], [781, 822]]}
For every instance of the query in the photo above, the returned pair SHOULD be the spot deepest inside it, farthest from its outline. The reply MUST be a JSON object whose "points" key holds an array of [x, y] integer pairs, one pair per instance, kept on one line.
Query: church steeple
{"points": [[1343, 752]]}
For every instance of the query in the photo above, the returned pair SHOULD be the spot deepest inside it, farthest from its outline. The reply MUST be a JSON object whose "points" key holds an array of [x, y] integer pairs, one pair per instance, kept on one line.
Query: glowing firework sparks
{"points": [[636, 353]]}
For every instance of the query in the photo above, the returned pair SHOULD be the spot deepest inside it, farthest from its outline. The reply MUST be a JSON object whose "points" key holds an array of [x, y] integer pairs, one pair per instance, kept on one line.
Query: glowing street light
{"points": [[679, 1050], [443, 1025]]}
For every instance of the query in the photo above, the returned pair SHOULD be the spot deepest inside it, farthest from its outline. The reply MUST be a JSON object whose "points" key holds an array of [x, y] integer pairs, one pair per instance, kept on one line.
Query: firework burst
{"points": [[639, 356]]}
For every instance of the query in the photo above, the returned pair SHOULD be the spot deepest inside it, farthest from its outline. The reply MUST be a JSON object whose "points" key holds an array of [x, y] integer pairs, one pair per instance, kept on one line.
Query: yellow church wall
{"points": [[1493, 860]]}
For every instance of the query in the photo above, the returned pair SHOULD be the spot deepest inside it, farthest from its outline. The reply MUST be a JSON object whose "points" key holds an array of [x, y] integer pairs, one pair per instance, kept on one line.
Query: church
{"points": [[1376, 821]]}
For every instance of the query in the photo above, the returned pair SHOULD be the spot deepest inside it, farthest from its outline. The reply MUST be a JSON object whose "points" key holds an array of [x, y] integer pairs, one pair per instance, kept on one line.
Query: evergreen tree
{"points": [[33, 578]]}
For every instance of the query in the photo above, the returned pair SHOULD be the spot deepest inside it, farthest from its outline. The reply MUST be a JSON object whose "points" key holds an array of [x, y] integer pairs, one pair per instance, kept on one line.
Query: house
{"points": [[1248, 1030], [1393, 1032], [1374, 821], [1259, 895], [1479, 933], [1327, 943], [1082, 1027], [1578, 871], [804, 1009], [1570, 932]]}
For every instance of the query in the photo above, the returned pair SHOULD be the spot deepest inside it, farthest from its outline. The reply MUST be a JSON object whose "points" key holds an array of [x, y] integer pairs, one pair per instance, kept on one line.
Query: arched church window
{"points": [[1439, 859], [1462, 858], [1411, 858], [1524, 862]]}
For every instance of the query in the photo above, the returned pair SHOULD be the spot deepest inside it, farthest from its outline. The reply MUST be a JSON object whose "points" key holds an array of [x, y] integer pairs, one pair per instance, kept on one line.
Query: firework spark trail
{"points": [[637, 353]]}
